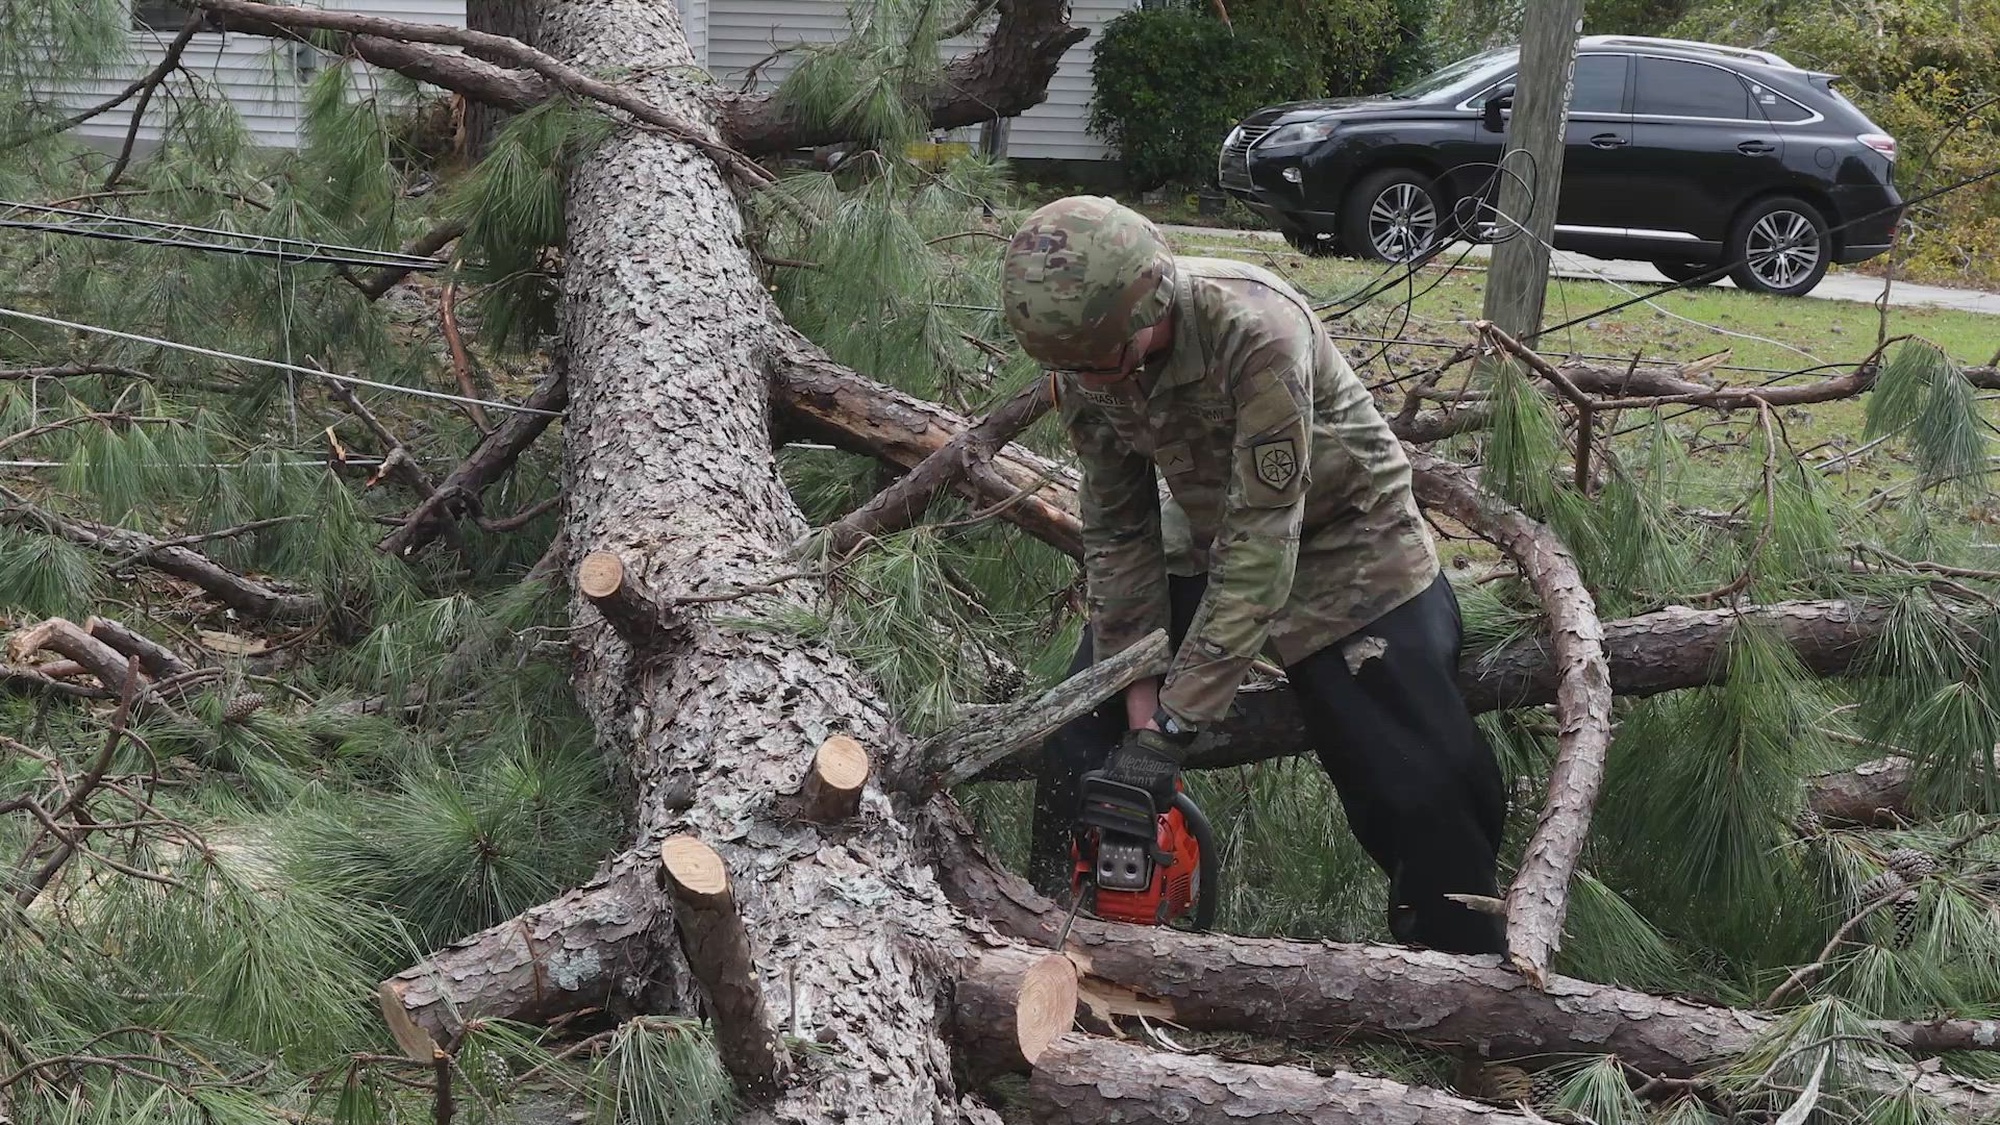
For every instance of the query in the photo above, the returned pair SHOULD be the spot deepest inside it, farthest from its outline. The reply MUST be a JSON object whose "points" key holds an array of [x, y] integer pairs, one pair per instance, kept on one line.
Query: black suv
{"points": [[1679, 153]]}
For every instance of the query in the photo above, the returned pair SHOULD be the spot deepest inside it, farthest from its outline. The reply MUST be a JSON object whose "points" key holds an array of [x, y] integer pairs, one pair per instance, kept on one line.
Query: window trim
{"points": [[1760, 119], [211, 24]]}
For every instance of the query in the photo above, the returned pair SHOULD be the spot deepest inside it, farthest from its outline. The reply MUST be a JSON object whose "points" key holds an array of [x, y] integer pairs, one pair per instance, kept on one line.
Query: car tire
{"points": [[1688, 271], [1311, 244], [1394, 215], [1782, 247]]}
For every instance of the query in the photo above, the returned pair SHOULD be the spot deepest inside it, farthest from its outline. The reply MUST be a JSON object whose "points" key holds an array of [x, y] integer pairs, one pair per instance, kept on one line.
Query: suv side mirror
{"points": [[1489, 115]]}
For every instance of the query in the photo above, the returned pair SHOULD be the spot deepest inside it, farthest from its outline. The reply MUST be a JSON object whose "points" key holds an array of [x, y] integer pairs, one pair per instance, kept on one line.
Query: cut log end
{"points": [[415, 1042], [1012, 1003], [832, 788], [1046, 1007], [695, 870], [600, 575]]}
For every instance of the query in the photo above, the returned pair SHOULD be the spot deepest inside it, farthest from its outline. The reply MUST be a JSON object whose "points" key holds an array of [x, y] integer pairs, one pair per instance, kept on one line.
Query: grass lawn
{"points": [[1764, 335]]}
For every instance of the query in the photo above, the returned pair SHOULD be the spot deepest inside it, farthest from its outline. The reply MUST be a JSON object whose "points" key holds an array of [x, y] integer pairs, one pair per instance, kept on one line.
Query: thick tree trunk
{"points": [[1085, 1081]]}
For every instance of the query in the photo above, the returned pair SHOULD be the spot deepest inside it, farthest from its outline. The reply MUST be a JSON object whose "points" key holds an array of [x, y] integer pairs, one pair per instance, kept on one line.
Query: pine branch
{"points": [[249, 598], [900, 505], [1539, 897], [71, 371], [396, 456], [145, 84], [461, 362], [424, 245], [460, 490], [1007, 75], [148, 86], [501, 47]]}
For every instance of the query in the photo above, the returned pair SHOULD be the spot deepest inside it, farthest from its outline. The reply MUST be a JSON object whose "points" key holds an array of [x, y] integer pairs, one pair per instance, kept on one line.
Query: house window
{"points": [[158, 15]]}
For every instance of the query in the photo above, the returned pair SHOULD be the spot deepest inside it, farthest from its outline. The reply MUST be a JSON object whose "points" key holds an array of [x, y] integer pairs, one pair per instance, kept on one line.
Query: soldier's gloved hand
{"points": [[1148, 759]]}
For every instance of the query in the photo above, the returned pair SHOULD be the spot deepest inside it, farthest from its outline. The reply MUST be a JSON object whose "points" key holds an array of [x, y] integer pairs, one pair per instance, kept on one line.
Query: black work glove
{"points": [[1148, 759]]}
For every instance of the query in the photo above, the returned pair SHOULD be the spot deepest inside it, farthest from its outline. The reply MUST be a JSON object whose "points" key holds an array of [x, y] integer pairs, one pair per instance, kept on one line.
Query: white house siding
{"points": [[261, 77], [743, 33], [1054, 130]]}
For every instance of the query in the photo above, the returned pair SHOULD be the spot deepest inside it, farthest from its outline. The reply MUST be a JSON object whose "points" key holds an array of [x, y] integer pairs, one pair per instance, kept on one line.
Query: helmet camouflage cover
{"points": [[1081, 276]]}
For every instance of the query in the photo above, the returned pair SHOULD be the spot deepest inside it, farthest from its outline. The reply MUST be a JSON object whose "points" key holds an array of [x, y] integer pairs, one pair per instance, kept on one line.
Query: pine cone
{"points": [[242, 707], [1547, 1086], [1904, 904], [1912, 863]]}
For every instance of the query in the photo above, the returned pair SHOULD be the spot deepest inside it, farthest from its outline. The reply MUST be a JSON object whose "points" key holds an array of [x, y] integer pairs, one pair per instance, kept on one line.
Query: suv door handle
{"points": [[1756, 148], [1609, 140]]}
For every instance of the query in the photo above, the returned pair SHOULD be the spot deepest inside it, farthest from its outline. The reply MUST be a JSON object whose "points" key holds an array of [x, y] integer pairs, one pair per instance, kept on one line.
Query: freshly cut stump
{"points": [[832, 789], [718, 953]]}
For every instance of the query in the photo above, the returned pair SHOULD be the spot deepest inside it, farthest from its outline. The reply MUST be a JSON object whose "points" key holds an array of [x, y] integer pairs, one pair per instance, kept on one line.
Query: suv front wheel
{"points": [[1393, 215], [1781, 247]]}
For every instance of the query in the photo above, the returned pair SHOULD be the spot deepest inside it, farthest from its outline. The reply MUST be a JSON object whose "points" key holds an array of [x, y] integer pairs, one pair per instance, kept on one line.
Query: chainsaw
{"points": [[1139, 863]]}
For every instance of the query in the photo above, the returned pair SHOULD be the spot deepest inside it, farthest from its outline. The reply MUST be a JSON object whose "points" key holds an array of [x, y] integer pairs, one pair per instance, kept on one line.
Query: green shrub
{"points": [[1927, 72], [1170, 83], [1346, 46]]}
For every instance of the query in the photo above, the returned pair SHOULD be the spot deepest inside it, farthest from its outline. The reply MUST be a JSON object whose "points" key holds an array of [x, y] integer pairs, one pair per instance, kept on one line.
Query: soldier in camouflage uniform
{"points": [[1286, 525]]}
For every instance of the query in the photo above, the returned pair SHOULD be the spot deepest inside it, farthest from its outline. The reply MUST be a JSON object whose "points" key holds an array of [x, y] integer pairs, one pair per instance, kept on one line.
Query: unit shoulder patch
{"points": [[1276, 462]]}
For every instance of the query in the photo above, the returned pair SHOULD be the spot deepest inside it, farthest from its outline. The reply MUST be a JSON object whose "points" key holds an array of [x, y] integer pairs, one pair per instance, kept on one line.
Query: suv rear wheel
{"points": [[1782, 246], [1393, 215]]}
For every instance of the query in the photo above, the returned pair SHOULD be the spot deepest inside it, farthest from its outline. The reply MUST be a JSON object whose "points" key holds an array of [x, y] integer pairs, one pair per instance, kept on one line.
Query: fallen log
{"points": [[1872, 795], [1330, 991], [1086, 1081]]}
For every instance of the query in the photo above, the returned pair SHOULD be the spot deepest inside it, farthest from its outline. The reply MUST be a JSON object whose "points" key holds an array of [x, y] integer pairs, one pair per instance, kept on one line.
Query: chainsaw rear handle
{"points": [[1209, 896]]}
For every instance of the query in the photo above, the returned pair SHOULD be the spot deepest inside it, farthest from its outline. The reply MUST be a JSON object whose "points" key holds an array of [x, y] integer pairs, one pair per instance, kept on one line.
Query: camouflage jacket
{"points": [[1283, 483]]}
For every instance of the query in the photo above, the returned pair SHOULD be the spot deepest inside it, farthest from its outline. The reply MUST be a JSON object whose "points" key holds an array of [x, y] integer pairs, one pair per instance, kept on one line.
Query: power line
{"points": [[276, 365], [106, 227]]}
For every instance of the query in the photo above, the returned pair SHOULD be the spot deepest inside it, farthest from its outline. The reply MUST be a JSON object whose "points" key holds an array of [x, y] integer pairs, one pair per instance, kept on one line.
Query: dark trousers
{"points": [[1416, 776]]}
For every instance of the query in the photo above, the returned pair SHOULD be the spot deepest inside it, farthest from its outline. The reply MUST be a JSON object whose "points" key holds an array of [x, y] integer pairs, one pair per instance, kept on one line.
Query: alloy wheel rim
{"points": [[1783, 248], [1402, 222]]}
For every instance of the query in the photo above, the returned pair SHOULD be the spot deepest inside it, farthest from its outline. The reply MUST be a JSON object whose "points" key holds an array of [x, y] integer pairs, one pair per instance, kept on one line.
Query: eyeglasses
{"points": [[1100, 375]]}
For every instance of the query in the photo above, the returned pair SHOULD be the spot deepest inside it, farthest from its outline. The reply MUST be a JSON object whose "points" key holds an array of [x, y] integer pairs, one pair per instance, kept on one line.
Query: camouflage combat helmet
{"points": [[1081, 276]]}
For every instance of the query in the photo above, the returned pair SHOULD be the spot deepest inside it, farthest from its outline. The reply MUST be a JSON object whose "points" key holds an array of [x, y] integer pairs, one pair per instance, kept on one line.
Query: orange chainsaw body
{"points": [[1167, 895]]}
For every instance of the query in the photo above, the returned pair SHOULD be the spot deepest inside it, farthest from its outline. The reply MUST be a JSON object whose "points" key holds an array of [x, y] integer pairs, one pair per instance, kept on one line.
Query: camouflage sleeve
{"points": [[1124, 564], [1266, 354]]}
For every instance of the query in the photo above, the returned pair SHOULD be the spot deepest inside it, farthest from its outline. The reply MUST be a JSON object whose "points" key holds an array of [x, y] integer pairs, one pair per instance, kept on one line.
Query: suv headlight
{"points": [[1304, 132]]}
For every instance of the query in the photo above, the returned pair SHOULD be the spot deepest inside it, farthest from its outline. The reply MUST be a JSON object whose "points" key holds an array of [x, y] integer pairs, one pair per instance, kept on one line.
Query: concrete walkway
{"points": [[1835, 287]]}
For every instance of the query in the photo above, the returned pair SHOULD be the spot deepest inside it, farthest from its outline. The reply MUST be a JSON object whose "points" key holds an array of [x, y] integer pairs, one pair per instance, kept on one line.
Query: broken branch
{"points": [[965, 751]]}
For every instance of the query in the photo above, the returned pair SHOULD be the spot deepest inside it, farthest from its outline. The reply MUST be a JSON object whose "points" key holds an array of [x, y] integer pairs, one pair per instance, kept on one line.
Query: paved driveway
{"points": [[1835, 287]]}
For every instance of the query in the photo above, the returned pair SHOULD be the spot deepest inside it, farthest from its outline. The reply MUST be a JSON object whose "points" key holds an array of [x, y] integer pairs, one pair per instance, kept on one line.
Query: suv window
{"points": [[1776, 106], [1671, 87], [1600, 84]]}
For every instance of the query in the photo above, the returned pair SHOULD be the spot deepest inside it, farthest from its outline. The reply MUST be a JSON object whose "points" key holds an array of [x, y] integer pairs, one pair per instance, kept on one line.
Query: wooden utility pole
{"points": [[1520, 270]]}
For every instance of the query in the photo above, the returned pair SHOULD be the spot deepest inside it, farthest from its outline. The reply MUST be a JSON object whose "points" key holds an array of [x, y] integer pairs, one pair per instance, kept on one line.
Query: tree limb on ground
{"points": [[1330, 991], [251, 598], [1539, 897], [495, 454], [1090, 1081]]}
